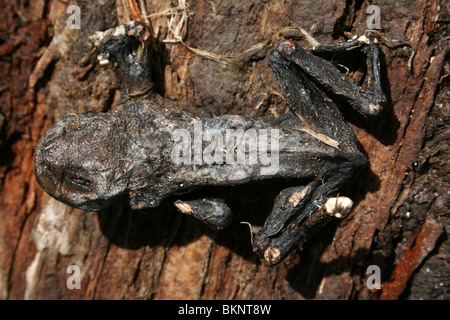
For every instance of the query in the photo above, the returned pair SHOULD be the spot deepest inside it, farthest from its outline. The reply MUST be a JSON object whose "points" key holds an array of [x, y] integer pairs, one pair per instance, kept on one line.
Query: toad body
{"points": [[151, 148]]}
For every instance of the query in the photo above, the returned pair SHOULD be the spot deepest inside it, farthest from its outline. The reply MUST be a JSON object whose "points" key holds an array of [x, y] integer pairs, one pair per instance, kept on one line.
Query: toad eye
{"points": [[77, 182]]}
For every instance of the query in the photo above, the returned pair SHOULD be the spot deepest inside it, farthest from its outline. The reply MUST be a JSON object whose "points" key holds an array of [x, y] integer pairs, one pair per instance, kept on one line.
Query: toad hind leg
{"points": [[298, 213], [308, 84]]}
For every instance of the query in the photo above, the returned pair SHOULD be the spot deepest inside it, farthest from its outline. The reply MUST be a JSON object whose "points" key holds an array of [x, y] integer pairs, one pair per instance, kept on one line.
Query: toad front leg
{"points": [[309, 84]]}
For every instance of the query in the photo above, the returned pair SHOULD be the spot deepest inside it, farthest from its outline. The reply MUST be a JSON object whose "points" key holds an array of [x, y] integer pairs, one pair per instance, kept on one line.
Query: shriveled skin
{"points": [[89, 160], [93, 160]]}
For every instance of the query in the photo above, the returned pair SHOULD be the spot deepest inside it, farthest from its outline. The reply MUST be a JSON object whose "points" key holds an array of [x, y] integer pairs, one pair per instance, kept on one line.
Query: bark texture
{"points": [[401, 202]]}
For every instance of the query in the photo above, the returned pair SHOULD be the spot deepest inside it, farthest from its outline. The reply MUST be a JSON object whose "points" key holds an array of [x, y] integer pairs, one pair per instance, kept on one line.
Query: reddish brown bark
{"points": [[411, 259]]}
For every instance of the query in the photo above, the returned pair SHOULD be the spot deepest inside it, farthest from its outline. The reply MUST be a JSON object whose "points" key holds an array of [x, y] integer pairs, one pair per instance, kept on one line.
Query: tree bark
{"points": [[48, 71]]}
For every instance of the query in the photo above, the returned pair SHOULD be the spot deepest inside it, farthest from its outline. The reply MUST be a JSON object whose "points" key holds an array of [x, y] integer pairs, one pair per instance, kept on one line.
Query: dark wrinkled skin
{"points": [[93, 160]]}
